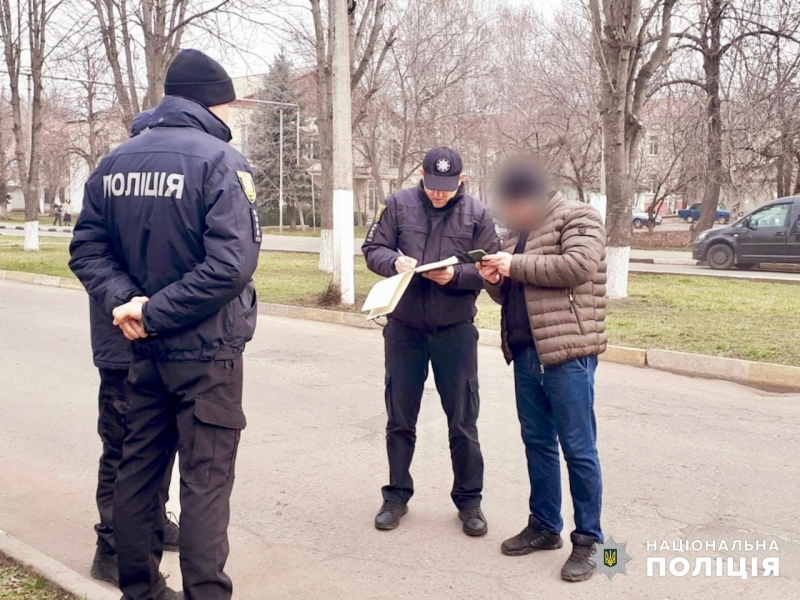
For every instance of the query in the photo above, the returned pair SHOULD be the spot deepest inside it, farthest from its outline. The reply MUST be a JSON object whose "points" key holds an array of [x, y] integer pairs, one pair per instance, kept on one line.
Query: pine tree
{"points": [[265, 146]]}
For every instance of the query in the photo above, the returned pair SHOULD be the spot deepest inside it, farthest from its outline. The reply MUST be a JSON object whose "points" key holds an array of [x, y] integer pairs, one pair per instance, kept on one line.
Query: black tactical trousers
{"points": [[113, 405], [199, 405], [453, 353]]}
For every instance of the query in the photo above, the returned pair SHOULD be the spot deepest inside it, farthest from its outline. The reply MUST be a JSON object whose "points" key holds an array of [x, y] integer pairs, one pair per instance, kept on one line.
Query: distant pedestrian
{"points": [[57, 214], [167, 242], [550, 280], [433, 325], [68, 213]]}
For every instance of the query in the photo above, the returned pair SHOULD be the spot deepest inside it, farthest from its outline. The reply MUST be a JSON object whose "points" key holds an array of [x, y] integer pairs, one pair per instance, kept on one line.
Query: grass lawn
{"points": [[720, 317], [18, 584]]}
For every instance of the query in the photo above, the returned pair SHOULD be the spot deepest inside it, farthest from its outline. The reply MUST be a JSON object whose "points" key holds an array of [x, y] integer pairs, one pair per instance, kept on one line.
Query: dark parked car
{"points": [[692, 214], [769, 234]]}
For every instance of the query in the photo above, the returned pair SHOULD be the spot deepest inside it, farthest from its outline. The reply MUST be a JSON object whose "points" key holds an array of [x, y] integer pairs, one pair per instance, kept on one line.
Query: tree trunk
{"points": [[714, 174], [325, 198], [619, 202]]}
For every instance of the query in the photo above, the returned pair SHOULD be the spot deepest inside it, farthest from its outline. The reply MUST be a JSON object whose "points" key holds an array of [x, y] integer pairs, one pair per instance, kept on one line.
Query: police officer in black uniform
{"points": [[433, 323], [167, 244], [111, 355]]}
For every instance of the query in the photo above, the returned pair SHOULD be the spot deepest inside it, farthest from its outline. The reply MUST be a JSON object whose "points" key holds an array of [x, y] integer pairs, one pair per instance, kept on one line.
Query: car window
{"points": [[770, 216]]}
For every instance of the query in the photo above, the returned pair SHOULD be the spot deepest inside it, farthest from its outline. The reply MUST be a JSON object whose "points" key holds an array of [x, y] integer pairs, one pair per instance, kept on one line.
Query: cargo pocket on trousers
{"points": [[217, 427], [474, 404]]}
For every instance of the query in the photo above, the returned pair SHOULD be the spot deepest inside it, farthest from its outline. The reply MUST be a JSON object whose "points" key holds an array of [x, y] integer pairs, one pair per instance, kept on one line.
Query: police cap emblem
{"points": [[443, 165]]}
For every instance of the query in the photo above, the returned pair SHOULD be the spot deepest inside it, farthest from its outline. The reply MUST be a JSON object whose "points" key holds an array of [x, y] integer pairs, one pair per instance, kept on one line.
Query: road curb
{"points": [[53, 571], [769, 376], [678, 262]]}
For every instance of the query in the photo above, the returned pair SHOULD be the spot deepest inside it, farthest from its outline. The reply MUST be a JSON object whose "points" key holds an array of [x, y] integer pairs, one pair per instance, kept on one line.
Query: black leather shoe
{"points": [[474, 521], [579, 567], [105, 567], [531, 539], [171, 534], [389, 515]]}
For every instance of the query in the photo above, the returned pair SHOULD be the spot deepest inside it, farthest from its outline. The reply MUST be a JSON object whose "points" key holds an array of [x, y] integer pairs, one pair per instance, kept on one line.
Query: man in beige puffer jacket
{"points": [[550, 280]]}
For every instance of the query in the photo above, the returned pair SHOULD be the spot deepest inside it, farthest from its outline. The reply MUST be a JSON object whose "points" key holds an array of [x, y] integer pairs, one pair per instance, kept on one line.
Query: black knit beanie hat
{"points": [[200, 78]]}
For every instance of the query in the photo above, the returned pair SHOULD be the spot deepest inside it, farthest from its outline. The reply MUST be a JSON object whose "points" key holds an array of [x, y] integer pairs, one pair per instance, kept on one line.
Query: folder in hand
{"points": [[386, 294]]}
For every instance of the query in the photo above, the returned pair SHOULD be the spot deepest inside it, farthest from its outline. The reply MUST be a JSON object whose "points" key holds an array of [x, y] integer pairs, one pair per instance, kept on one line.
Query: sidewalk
{"points": [[42, 227], [683, 459]]}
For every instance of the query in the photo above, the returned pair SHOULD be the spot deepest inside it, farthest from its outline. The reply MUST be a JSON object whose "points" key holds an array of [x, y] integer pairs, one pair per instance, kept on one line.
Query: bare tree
{"points": [[154, 28], [34, 17], [369, 45], [720, 29], [631, 43]]}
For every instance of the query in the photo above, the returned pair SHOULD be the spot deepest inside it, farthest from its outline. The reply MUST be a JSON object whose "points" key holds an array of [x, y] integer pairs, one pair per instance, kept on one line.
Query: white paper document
{"points": [[386, 294]]}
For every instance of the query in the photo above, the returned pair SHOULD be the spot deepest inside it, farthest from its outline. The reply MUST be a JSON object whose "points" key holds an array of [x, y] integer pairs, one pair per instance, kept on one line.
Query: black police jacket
{"points": [[410, 225], [170, 215], [110, 349]]}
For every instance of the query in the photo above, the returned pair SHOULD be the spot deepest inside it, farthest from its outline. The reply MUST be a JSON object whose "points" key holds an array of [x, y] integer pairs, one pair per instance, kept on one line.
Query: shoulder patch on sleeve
{"points": [[248, 186], [380, 212]]}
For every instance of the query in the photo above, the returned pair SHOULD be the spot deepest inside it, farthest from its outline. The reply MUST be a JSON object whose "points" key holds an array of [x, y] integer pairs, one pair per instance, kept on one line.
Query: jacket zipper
{"points": [[574, 311]]}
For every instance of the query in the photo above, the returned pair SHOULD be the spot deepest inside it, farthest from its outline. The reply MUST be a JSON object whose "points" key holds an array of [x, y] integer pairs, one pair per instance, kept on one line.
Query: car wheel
{"points": [[745, 266], [690, 219], [720, 256], [638, 223]]}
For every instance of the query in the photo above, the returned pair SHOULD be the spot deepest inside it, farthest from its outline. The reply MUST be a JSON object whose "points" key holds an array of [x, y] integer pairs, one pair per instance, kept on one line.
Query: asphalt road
{"points": [[683, 459]]}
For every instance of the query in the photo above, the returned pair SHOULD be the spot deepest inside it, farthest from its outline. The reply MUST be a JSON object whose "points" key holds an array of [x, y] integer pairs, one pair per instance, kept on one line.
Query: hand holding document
{"points": [[385, 295]]}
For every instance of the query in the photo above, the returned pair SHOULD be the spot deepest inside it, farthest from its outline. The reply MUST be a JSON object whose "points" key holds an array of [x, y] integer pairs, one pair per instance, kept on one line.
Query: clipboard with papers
{"points": [[386, 294]]}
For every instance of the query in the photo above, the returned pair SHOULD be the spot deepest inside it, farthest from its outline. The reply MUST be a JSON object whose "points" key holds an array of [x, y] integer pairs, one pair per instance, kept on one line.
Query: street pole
{"points": [[343, 232], [280, 192], [313, 205]]}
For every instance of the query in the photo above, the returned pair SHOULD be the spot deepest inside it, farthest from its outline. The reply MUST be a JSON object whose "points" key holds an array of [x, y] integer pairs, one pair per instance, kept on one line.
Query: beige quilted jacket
{"points": [[564, 270]]}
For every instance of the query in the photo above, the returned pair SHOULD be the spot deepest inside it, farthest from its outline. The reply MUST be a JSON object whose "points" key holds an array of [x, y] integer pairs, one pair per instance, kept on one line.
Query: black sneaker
{"points": [[172, 595], [474, 522], [105, 567], [579, 567], [171, 533], [389, 515], [531, 539]]}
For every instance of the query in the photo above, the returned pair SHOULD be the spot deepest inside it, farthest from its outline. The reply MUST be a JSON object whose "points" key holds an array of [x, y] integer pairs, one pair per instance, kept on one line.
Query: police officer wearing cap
{"points": [[166, 245], [433, 324]]}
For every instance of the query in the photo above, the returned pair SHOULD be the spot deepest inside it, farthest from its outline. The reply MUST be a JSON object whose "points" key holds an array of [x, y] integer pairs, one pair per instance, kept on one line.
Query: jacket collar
{"points": [[174, 111], [431, 209]]}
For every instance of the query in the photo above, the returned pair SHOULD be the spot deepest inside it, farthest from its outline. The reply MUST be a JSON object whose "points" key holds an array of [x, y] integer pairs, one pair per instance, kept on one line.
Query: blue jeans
{"points": [[558, 406]]}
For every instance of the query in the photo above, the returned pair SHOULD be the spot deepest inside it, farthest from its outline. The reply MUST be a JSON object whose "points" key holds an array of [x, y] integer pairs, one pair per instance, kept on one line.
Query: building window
{"points": [[311, 148], [652, 145], [394, 153]]}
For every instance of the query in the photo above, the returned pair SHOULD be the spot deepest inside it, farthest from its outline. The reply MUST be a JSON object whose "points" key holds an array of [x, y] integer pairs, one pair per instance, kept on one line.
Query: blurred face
{"points": [[438, 198], [522, 213]]}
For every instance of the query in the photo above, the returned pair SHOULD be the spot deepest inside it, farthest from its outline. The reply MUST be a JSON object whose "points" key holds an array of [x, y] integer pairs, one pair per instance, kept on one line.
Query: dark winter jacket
{"points": [[170, 215], [410, 226], [110, 349]]}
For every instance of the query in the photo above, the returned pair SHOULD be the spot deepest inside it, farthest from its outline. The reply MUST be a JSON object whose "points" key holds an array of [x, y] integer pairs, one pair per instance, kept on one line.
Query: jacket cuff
{"points": [[517, 271], [147, 323]]}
